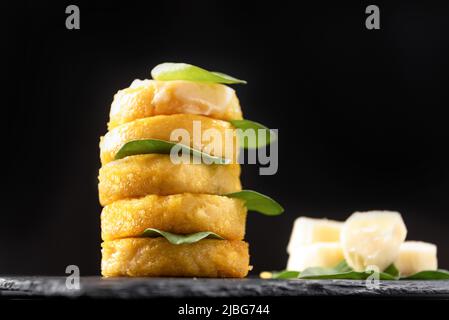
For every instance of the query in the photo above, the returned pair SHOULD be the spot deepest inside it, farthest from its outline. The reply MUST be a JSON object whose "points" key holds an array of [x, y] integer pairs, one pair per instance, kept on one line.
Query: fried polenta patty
{"points": [[181, 214], [157, 257], [150, 97], [141, 175], [221, 140]]}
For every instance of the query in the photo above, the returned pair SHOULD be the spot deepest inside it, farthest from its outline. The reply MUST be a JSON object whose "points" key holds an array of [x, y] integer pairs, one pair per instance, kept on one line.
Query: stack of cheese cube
{"points": [[364, 240], [150, 191]]}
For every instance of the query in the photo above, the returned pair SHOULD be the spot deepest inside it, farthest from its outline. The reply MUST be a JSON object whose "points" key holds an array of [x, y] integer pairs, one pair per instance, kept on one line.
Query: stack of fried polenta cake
{"points": [[150, 191]]}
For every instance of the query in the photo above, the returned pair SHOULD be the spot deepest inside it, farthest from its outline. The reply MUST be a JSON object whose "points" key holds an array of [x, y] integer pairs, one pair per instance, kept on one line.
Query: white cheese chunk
{"points": [[372, 239], [308, 230], [416, 256], [319, 254]]}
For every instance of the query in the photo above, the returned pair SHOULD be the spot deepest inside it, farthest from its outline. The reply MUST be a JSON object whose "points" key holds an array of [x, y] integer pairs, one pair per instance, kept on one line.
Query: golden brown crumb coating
{"points": [[141, 175], [156, 257], [181, 213], [150, 97], [214, 137]]}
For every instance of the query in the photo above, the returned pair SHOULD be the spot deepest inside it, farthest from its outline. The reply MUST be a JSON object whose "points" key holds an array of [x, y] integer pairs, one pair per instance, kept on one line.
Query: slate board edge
{"points": [[147, 288]]}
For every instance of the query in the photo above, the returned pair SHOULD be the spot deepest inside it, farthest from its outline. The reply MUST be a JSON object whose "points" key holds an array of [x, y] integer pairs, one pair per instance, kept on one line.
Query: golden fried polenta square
{"points": [[141, 175], [149, 98], [156, 257], [181, 214], [221, 139]]}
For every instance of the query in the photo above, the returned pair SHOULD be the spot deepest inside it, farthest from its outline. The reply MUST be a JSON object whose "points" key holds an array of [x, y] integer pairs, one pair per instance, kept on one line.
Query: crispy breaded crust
{"points": [[141, 175], [161, 127], [157, 257], [181, 213], [150, 97]]}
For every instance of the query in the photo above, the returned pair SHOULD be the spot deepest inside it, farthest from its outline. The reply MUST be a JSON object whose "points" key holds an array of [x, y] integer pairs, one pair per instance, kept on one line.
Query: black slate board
{"points": [[131, 288]]}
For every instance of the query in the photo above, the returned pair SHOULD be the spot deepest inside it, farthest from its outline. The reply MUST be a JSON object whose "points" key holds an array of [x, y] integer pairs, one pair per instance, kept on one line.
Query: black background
{"points": [[361, 114]]}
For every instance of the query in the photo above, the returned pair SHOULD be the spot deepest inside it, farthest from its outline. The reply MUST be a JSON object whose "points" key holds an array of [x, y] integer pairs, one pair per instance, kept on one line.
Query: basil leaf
{"points": [[344, 271], [392, 270], [329, 273], [429, 275], [326, 273], [147, 146], [342, 267], [385, 276], [180, 238], [258, 202], [244, 138], [183, 71], [285, 274], [340, 271]]}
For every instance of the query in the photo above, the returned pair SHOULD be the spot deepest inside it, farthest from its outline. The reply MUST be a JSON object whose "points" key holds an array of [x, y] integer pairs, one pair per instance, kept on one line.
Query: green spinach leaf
{"points": [[253, 135], [258, 202], [180, 238], [182, 71], [148, 146]]}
